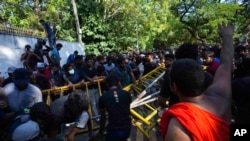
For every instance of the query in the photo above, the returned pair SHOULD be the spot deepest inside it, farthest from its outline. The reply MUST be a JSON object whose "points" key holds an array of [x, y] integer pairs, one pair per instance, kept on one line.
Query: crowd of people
{"points": [[197, 84]]}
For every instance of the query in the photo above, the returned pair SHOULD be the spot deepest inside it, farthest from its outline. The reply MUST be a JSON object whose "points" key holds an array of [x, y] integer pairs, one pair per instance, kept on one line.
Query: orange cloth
{"points": [[200, 124]]}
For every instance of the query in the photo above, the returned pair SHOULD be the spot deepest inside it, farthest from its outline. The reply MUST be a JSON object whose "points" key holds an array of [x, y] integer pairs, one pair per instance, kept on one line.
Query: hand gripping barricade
{"points": [[143, 107], [61, 90]]}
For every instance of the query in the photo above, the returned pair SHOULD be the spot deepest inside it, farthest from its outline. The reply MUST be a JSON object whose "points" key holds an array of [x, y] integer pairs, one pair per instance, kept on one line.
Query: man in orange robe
{"points": [[200, 124], [201, 115]]}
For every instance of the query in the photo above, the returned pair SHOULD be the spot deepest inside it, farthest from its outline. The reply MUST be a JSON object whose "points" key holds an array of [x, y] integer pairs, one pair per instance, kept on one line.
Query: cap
{"points": [[21, 76], [40, 65], [21, 133], [11, 69]]}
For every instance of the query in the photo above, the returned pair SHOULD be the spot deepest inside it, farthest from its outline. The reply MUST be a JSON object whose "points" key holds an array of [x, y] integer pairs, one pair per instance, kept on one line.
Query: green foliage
{"points": [[116, 25]]}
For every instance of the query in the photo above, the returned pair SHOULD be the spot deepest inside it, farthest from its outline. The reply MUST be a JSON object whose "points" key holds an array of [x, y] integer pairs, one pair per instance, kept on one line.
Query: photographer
{"points": [[38, 55]]}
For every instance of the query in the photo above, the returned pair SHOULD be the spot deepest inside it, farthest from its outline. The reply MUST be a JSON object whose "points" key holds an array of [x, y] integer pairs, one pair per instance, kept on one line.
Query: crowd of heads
{"points": [[42, 71]]}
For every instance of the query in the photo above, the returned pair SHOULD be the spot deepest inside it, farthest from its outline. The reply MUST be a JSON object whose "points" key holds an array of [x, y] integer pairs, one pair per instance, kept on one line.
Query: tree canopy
{"points": [[108, 25]]}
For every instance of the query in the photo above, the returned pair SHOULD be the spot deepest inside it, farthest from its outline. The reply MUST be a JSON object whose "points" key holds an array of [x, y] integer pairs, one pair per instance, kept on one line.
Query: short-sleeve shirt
{"points": [[56, 55], [57, 109], [123, 74], [20, 99], [58, 78], [117, 104]]}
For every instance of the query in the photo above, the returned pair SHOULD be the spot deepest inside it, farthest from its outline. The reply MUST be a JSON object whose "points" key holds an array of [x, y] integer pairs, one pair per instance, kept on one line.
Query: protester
{"points": [[34, 57], [50, 34], [9, 79], [186, 50], [117, 103], [6, 116], [25, 55], [91, 75], [124, 73], [71, 57], [39, 124], [55, 55], [240, 93], [21, 93], [109, 65], [208, 111], [209, 61], [72, 108]]}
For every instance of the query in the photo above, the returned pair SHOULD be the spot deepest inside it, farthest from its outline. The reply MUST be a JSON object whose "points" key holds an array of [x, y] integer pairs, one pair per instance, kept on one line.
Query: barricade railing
{"points": [[141, 102], [85, 85], [145, 121], [75, 86]]}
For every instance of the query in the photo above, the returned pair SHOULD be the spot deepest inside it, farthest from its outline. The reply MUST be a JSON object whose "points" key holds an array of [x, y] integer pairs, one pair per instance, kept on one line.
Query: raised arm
{"points": [[222, 80], [219, 93]]}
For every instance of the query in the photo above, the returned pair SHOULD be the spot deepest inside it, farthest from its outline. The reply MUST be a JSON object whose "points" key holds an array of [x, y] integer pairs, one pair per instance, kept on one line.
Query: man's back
{"points": [[117, 103], [187, 80]]}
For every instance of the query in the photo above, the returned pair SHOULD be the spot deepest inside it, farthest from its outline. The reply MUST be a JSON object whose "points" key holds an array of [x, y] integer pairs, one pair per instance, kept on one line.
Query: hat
{"points": [[11, 69], [26, 131], [21, 76], [40, 65]]}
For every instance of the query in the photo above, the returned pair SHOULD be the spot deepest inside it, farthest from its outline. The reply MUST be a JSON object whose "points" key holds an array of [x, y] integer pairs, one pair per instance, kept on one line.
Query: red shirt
{"points": [[212, 67]]}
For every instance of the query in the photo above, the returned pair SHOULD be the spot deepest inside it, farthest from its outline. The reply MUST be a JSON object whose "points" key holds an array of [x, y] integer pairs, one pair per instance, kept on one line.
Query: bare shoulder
{"points": [[176, 132]]}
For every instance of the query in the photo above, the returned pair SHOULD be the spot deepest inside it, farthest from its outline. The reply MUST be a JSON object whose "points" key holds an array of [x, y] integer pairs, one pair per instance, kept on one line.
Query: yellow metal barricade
{"points": [[144, 117], [85, 85], [65, 88]]}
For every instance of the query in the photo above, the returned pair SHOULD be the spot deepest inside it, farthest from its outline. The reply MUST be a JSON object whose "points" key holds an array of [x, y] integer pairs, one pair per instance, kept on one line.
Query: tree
{"points": [[200, 18]]}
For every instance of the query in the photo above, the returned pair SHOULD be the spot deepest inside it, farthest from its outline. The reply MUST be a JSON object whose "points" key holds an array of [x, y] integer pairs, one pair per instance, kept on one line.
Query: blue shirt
{"points": [[48, 28], [56, 55]]}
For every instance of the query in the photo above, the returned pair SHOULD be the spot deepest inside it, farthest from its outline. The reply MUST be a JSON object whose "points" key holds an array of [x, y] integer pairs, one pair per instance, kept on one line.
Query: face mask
{"points": [[72, 71]]}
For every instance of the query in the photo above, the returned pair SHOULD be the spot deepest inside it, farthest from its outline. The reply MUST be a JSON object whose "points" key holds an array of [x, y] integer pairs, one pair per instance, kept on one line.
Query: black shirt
{"points": [[240, 94], [117, 104]]}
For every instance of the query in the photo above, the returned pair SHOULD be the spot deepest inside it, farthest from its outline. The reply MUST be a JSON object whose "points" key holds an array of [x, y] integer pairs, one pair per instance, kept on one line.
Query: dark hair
{"points": [[87, 58], [109, 58], [75, 52], [187, 50], [112, 80], [59, 45], [120, 59], [66, 67], [188, 76], [138, 60], [27, 47], [208, 53], [78, 101], [41, 111]]}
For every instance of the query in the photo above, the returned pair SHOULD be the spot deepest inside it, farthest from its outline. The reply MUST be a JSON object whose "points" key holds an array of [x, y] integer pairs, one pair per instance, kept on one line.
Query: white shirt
{"points": [[20, 99]]}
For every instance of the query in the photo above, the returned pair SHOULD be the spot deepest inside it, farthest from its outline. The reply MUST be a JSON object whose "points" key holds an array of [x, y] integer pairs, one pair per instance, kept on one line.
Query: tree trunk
{"points": [[78, 29]]}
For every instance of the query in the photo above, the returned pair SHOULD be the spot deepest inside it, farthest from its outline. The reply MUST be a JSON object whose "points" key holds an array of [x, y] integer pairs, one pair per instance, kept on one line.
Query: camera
{"points": [[41, 41]]}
